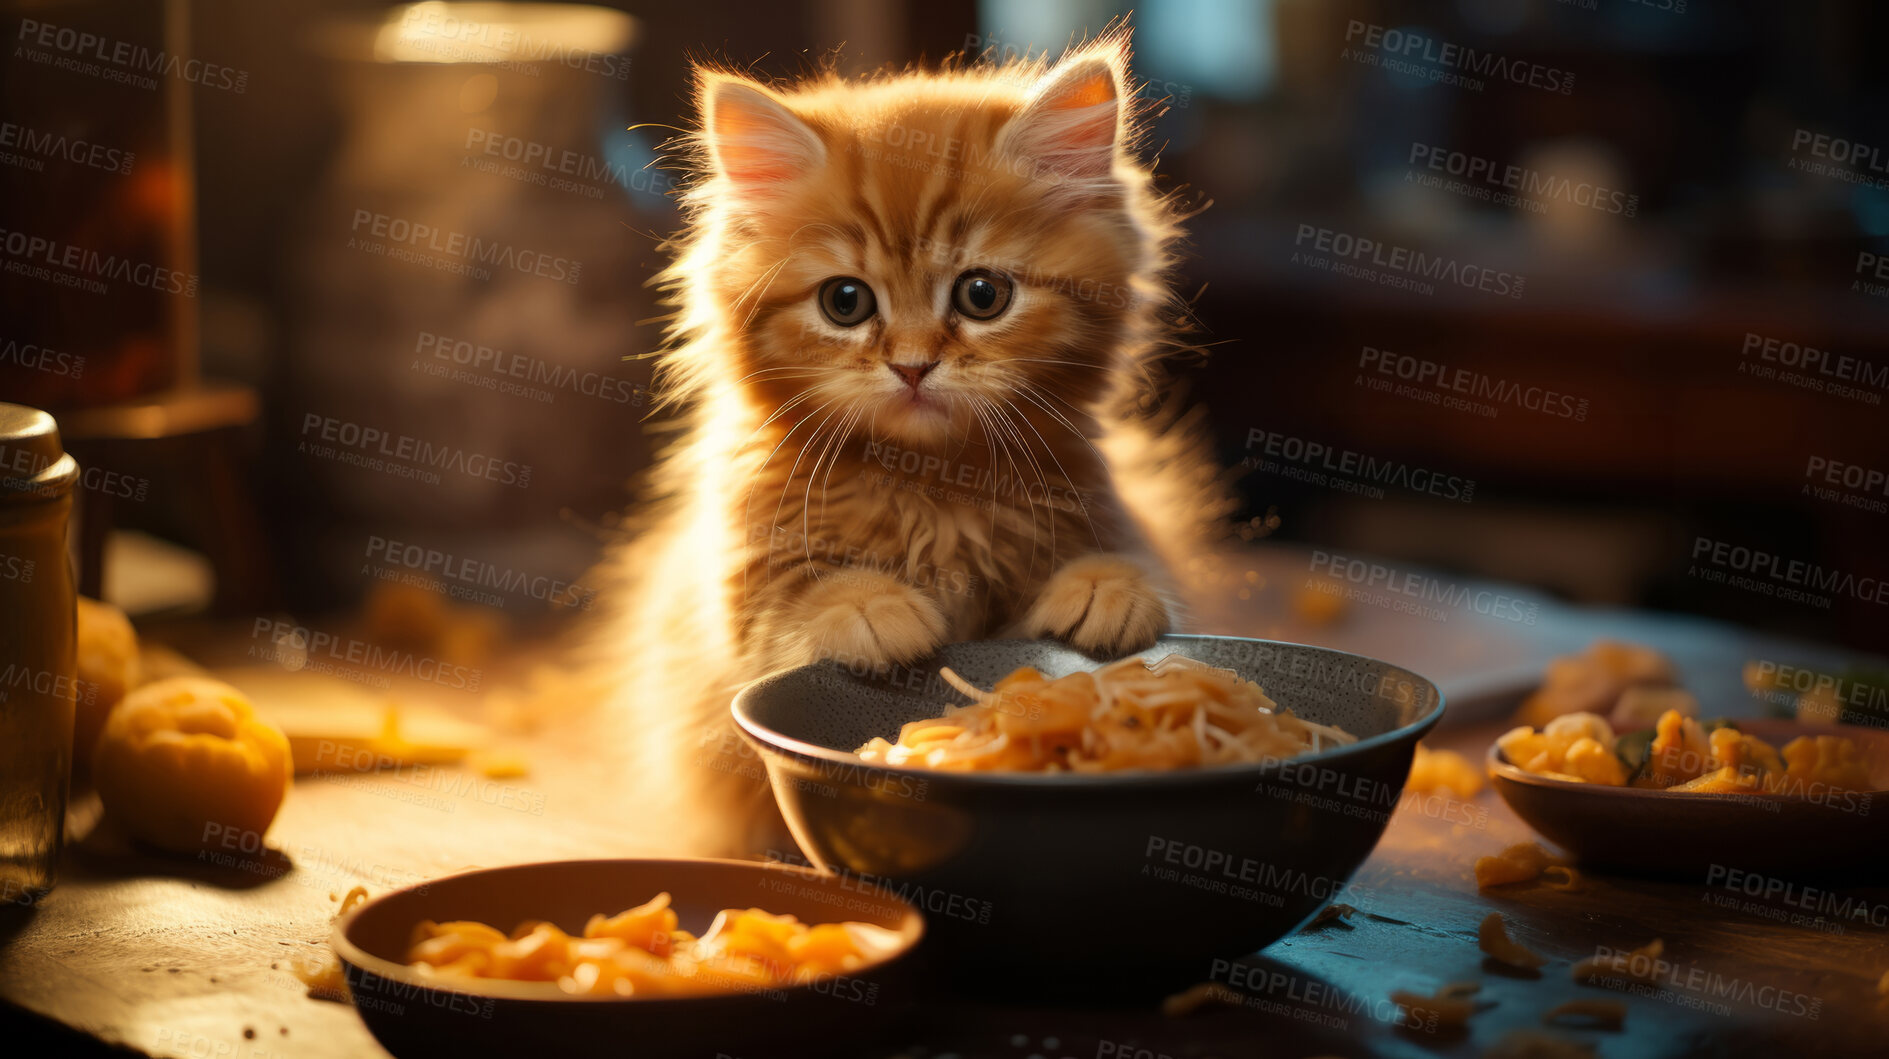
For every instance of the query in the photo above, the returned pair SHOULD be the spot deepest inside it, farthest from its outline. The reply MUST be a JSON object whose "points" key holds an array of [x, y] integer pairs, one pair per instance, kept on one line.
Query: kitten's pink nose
{"points": [[913, 374]]}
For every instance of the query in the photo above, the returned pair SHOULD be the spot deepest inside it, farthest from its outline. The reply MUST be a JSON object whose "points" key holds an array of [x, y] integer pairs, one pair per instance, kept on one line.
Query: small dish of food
{"points": [[1682, 796], [1060, 820], [711, 957]]}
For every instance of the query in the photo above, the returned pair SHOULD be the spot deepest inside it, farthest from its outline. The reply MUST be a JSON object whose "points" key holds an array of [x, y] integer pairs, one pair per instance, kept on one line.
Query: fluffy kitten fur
{"points": [[870, 492]]}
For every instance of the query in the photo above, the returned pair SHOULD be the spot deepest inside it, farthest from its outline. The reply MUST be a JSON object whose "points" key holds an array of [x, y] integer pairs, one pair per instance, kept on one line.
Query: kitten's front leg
{"points": [[858, 616], [1103, 604]]}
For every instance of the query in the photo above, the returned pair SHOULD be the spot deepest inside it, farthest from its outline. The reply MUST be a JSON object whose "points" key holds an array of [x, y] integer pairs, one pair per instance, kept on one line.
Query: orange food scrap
{"points": [[1193, 998], [320, 971], [1492, 937], [499, 764], [1642, 965], [1561, 877], [323, 976], [1319, 602], [1533, 1044], [1593, 1014], [1521, 862], [1446, 1010], [1442, 770], [1332, 913]]}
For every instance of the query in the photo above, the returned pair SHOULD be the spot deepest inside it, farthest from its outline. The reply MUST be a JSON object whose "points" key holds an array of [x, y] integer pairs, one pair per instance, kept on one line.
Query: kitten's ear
{"points": [[755, 141], [1073, 120]]}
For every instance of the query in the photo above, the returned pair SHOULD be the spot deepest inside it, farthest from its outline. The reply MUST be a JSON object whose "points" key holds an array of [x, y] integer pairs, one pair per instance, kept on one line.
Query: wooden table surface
{"points": [[194, 958]]}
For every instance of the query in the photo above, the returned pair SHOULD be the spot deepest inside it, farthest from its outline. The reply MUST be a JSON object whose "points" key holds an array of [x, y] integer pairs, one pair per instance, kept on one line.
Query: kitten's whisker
{"points": [[786, 407], [951, 403], [788, 482], [1049, 513], [833, 228], [1039, 398], [763, 281], [747, 510], [783, 410], [843, 434], [1035, 527], [779, 412], [762, 466], [838, 439], [1060, 469], [1003, 420], [806, 501], [1029, 393], [1061, 363], [1024, 380], [995, 506], [804, 370], [1041, 476]]}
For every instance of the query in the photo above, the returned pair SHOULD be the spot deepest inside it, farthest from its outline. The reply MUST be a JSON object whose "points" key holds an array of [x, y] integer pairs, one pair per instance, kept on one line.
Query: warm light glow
{"points": [[437, 32]]}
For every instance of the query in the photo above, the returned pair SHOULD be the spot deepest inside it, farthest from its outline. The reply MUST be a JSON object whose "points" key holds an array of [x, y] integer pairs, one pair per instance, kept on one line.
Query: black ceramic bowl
{"points": [[416, 1015], [1073, 881]]}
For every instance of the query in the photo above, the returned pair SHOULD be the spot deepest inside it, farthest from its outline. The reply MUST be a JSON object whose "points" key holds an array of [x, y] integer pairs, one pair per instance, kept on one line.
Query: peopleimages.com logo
{"points": [[439, 29], [119, 60], [1513, 185], [1775, 575], [43, 144], [485, 367], [1810, 368], [35, 357], [1849, 484], [40, 257], [1834, 156], [466, 577], [1417, 590], [402, 455], [463, 253], [1440, 384], [1324, 464], [1422, 55], [1387, 264]]}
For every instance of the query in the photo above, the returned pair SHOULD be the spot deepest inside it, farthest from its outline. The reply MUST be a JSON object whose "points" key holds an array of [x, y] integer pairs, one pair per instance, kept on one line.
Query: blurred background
{"points": [[313, 284]]}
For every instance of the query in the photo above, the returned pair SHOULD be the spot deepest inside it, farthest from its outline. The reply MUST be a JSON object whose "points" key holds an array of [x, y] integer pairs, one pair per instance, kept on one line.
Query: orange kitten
{"points": [[908, 308]]}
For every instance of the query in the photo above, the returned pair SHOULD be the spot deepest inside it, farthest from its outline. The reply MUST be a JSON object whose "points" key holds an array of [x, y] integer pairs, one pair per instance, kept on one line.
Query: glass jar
{"points": [[38, 645]]}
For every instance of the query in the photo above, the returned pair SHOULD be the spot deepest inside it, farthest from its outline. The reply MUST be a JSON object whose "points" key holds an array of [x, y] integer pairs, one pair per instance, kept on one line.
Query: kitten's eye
{"points": [[981, 294], [846, 301]]}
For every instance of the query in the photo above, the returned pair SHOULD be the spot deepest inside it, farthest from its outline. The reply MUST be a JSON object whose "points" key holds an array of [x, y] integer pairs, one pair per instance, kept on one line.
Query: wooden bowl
{"points": [[1638, 830], [413, 1015]]}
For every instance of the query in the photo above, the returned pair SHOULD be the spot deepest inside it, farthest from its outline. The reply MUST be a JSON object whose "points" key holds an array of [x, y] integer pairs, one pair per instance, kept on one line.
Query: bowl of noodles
{"points": [[1058, 819]]}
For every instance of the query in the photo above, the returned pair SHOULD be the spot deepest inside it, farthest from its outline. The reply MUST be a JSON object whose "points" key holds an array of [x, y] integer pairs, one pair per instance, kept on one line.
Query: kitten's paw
{"points": [[867, 617], [1102, 604]]}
